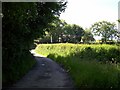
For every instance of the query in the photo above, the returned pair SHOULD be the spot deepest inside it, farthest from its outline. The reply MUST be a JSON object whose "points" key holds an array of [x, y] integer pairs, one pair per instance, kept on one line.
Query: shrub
{"points": [[89, 65]]}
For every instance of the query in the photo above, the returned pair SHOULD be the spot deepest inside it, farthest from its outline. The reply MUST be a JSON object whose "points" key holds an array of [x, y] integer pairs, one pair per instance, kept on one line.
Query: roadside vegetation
{"points": [[90, 66], [22, 23], [26, 24]]}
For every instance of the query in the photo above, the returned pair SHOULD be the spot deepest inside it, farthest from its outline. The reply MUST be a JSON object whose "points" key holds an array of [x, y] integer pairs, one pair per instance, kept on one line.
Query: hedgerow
{"points": [[88, 65]]}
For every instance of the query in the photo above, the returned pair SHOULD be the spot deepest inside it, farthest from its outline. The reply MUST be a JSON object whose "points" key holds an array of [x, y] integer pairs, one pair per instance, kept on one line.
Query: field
{"points": [[90, 66]]}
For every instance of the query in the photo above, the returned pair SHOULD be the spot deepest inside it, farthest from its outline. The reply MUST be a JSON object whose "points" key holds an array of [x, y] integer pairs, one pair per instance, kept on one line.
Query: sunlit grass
{"points": [[89, 65]]}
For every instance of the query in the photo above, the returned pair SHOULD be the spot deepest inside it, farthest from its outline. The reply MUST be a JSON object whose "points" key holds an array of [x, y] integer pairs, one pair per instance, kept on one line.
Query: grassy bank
{"points": [[89, 65]]}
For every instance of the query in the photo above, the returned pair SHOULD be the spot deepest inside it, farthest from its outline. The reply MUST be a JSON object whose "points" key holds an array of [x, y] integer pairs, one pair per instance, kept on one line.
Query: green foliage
{"points": [[56, 31], [119, 20], [17, 68], [90, 66], [104, 29], [88, 36], [60, 31], [98, 52], [73, 33], [22, 23]]}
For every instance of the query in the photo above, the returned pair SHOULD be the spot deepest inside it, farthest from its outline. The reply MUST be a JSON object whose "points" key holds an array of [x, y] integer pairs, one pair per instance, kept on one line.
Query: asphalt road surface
{"points": [[45, 74]]}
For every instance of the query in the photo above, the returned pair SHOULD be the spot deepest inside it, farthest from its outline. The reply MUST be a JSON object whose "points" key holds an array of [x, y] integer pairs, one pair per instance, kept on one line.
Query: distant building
{"points": [[119, 15]]}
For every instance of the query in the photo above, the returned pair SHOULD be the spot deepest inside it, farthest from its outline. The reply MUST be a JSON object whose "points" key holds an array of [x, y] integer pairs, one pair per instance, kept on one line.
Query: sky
{"points": [[86, 12]]}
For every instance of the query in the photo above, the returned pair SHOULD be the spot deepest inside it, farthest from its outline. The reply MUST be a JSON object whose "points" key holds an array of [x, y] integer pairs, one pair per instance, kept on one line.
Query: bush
{"points": [[85, 63], [17, 69]]}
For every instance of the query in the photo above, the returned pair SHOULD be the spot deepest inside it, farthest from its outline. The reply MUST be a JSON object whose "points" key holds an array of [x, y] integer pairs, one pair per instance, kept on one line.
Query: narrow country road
{"points": [[45, 74]]}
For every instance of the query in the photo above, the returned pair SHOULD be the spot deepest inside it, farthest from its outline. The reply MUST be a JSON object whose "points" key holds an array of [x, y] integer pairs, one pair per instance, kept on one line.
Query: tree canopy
{"points": [[73, 33], [60, 31], [88, 36], [106, 30], [22, 23]]}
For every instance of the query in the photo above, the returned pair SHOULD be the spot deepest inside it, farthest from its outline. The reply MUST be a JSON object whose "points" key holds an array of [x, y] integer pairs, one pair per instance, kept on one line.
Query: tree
{"points": [[104, 29], [88, 36], [119, 20], [72, 33], [56, 30], [60, 31], [22, 23]]}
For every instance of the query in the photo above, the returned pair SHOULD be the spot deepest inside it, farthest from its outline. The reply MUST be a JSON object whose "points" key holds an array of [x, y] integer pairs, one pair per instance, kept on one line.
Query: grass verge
{"points": [[90, 66]]}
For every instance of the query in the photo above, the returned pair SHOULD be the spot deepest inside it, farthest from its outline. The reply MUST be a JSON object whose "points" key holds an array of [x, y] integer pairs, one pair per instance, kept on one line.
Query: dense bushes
{"points": [[98, 52], [22, 23], [89, 65], [17, 68]]}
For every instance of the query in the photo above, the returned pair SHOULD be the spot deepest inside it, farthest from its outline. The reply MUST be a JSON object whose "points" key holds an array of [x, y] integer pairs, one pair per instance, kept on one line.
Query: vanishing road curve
{"points": [[45, 74]]}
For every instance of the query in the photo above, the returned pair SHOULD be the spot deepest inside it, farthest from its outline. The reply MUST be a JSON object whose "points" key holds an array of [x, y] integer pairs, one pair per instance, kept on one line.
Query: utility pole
{"points": [[51, 39]]}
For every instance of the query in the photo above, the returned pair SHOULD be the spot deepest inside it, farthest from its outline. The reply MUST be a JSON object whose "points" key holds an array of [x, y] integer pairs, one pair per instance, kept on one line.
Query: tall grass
{"points": [[89, 65]]}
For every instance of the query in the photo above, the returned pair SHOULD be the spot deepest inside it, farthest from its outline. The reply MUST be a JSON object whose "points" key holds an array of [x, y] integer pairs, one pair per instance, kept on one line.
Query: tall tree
{"points": [[60, 31], [88, 36], [106, 30], [73, 33], [56, 31], [21, 23]]}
